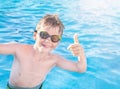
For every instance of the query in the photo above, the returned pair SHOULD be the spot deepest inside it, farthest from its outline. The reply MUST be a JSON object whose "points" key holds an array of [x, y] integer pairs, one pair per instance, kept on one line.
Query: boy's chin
{"points": [[46, 50]]}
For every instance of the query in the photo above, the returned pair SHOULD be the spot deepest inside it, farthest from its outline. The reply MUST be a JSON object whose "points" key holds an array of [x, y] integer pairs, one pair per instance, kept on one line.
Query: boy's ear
{"points": [[34, 35]]}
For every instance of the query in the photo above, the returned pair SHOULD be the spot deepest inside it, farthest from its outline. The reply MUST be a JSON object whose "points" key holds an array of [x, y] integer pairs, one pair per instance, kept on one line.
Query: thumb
{"points": [[76, 38]]}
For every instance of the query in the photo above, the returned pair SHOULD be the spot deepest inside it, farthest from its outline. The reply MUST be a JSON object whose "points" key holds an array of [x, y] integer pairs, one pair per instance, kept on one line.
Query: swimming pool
{"points": [[98, 26]]}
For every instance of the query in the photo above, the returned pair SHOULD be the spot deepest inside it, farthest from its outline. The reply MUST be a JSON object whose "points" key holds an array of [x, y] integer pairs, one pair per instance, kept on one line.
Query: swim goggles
{"points": [[45, 35]]}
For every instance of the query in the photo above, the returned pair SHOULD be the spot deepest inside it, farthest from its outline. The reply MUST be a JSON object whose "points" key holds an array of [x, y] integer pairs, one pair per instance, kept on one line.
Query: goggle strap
{"points": [[35, 30]]}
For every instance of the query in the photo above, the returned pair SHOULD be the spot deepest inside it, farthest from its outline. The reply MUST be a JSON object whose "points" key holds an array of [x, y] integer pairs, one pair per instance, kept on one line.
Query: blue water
{"points": [[96, 21]]}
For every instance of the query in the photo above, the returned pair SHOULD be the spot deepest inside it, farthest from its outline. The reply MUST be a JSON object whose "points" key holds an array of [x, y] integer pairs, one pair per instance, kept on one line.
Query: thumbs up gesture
{"points": [[76, 48]]}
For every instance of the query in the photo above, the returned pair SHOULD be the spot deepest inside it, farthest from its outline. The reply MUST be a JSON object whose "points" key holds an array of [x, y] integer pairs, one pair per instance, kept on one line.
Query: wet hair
{"points": [[52, 21]]}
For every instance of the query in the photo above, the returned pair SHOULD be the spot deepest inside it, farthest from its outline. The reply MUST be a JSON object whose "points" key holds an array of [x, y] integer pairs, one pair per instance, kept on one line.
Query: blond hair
{"points": [[50, 20]]}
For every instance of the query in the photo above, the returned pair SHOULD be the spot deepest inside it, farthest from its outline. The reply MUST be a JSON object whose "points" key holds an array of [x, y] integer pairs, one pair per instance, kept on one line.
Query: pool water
{"points": [[97, 23]]}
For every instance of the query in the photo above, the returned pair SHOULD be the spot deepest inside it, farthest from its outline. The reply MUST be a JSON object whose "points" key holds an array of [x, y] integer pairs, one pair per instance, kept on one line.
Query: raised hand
{"points": [[76, 48]]}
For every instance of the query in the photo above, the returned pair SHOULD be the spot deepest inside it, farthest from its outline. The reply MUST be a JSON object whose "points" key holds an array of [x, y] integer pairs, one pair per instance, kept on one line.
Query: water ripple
{"points": [[97, 24]]}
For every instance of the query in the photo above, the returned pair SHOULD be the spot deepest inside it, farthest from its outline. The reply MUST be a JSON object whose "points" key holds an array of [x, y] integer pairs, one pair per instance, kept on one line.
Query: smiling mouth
{"points": [[45, 46]]}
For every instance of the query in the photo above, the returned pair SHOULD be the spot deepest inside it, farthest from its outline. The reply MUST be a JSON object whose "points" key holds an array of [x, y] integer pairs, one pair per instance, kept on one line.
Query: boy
{"points": [[32, 62]]}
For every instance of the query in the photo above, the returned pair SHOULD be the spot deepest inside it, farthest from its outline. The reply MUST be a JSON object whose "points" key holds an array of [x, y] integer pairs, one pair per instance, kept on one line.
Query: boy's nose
{"points": [[48, 39]]}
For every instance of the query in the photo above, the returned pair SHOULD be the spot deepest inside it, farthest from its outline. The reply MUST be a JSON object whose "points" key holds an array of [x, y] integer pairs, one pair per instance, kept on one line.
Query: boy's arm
{"points": [[8, 48], [78, 51]]}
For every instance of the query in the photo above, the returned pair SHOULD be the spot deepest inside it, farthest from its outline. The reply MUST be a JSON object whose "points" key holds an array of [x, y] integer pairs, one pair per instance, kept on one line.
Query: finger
{"points": [[76, 38], [70, 46]]}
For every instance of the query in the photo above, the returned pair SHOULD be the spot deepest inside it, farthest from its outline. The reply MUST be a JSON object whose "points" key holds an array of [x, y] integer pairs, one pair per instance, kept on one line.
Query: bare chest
{"points": [[37, 65], [31, 69]]}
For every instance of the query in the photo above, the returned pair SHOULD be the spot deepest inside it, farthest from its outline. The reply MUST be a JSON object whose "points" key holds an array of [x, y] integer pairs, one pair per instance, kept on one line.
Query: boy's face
{"points": [[47, 39]]}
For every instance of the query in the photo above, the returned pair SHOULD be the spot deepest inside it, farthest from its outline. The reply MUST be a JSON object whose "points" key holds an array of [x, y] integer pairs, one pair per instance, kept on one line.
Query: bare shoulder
{"points": [[23, 51], [23, 47]]}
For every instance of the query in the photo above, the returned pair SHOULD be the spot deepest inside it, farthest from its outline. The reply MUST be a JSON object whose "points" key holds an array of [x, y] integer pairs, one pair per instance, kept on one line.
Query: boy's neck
{"points": [[39, 51]]}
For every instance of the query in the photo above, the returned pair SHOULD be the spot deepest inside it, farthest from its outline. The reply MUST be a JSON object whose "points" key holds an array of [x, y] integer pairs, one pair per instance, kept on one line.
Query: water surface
{"points": [[98, 26]]}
